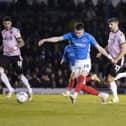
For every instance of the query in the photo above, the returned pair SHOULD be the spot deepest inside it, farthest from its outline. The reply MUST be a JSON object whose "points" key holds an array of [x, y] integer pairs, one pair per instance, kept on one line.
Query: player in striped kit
{"points": [[11, 44], [81, 42]]}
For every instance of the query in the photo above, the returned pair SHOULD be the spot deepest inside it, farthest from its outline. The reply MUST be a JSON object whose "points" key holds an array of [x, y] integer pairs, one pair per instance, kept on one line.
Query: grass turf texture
{"points": [[56, 110]]}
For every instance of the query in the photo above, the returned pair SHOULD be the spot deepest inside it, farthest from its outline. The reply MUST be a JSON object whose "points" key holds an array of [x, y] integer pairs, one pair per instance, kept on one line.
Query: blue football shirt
{"points": [[81, 45], [69, 55]]}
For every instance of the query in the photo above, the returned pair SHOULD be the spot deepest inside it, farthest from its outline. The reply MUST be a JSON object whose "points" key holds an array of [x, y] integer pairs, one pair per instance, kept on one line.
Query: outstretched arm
{"points": [[104, 52], [52, 39], [99, 54]]}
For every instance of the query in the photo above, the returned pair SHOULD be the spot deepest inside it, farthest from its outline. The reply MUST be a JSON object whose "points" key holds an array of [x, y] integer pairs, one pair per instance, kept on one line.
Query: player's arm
{"points": [[19, 45], [100, 54], [103, 52], [99, 48], [64, 58], [20, 41], [51, 39], [62, 61], [121, 54]]}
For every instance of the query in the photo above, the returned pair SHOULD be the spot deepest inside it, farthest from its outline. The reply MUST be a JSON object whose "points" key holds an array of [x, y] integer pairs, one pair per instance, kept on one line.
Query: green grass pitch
{"points": [[56, 110]]}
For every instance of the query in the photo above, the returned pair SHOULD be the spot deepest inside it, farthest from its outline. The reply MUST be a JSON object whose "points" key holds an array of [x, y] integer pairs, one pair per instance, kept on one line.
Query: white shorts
{"points": [[82, 66]]}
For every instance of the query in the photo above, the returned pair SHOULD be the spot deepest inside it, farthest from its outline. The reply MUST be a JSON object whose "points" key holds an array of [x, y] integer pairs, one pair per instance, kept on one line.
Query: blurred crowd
{"points": [[37, 21]]}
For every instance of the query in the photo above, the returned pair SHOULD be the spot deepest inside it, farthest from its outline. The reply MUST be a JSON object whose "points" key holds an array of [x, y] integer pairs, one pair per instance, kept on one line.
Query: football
{"points": [[21, 97]]}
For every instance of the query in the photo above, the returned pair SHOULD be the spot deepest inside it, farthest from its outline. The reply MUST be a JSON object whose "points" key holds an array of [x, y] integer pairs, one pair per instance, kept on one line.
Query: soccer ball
{"points": [[21, 97]]}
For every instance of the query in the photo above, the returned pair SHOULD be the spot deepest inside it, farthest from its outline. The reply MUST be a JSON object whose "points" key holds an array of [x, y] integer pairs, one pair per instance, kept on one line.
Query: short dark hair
{"points": [[113, 19], [7, 18], [79, 26]]}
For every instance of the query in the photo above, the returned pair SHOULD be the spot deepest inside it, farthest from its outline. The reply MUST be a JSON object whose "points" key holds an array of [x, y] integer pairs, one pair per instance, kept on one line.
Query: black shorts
{"points": [[115, 69], [11, 63]]}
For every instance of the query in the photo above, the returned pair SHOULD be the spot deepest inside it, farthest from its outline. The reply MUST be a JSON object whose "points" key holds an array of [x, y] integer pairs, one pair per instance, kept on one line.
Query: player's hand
{"points": [[41, 42], [13, 49], [61, 62], [98, 55], [111, 59], [114, 61]]}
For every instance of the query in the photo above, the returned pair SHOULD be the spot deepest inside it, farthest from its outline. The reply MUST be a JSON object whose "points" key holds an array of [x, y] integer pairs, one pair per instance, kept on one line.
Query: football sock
{"points": [[88, 79], [26, 83], [81, 82], [5, 80], [90, 90], [120, 75], [71, 84], [113, 88]]}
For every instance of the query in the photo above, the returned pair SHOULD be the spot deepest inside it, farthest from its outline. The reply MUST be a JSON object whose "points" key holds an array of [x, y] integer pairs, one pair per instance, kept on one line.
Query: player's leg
{"points": [[19, 71], [93, 77], [120, 75], [81, 77], [82, 86], [5, 80], [72, 81], [27, 84], [82, 67], [114, 70], [113, 88], [71, 84], [82, 72], [95, 92]]}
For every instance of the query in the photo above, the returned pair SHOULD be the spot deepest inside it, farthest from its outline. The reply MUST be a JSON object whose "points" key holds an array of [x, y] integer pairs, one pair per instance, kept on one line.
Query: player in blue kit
{"points": [[81, 42], [70, 56]]}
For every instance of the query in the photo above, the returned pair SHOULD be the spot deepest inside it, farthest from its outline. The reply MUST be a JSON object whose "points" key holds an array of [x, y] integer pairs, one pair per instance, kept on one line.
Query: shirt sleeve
{"points": [[67, 36], [92, 40], [17, 33], [122, 39]]}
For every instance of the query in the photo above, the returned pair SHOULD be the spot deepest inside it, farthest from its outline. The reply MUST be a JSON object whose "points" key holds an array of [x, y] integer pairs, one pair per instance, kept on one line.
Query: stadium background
{"points": [[44, 18]]}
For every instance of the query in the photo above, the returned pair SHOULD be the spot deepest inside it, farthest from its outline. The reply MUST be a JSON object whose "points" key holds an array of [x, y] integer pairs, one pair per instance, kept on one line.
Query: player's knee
{"points": [[84, 73], [21, 75], [73, 76], [19, 71], [110, 79], [84, 87], [1, 70]]}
